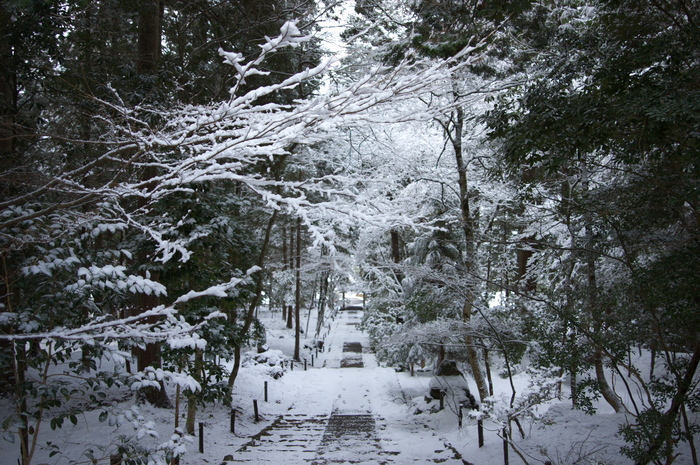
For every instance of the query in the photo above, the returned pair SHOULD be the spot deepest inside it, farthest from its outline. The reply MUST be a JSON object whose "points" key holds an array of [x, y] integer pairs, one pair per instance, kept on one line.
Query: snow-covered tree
{"points": [[147, 195]]}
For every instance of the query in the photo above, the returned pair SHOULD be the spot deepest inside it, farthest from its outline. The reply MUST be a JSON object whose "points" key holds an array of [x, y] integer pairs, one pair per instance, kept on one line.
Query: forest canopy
{"points": [[505, 182]]}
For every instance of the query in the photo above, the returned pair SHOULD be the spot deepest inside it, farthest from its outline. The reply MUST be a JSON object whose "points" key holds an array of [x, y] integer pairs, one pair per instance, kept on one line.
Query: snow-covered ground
{"points": [[292, 427]]}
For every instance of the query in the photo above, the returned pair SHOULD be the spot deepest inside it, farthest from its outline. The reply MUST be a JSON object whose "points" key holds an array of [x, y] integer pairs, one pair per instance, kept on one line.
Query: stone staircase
{"points": [[296, 436], [351, 434], [342, 437]]}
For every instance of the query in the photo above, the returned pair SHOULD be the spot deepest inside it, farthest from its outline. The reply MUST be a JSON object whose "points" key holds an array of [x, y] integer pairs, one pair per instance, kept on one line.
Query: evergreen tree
{"points": [[608, 125]]}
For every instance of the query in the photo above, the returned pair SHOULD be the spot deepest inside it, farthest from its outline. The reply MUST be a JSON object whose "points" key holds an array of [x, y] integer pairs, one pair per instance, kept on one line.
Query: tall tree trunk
{"points": [[192, 397], [8, 94], [323, 296], [259, 286], [285, 267], [396, 255], [149, 38], [455, 135], [593, 305], [148, 52], [290, 314], [297, 295], [20, 368], [8, 110]]}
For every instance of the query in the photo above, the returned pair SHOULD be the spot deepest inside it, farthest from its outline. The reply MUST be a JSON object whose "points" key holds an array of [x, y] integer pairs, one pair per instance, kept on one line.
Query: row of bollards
{"points": [[256, 411], [480, 434], [116, 459]]}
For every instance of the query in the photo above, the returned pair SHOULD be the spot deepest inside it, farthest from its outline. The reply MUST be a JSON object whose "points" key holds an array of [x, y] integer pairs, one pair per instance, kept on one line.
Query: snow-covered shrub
{"points": [[270, 362], [455, 390], [424, 404], [542, 387]]}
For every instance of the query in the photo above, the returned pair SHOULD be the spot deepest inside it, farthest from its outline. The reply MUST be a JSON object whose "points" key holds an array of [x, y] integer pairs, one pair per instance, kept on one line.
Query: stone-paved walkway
{"points": [[351, 433]]}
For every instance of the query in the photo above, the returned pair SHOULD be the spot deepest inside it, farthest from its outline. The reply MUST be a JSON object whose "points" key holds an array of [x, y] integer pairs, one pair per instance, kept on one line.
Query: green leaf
{"points": [[103, 416], [73, 419], [56, 423]]}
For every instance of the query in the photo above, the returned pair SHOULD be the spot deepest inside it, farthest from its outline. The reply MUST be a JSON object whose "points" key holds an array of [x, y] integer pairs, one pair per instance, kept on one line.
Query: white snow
{"points": [[555, 432]]}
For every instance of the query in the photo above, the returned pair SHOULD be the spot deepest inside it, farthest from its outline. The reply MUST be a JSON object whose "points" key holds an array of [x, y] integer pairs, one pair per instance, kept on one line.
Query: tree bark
{"points": [[285, 267], [149, 38], [297, 295], [20, 367], [259, 286], [323, 297], [468, 227], [150, 356], [290, 314], [8, 92], [192, 397], [396, 255], [148, 52], [607, 392]]}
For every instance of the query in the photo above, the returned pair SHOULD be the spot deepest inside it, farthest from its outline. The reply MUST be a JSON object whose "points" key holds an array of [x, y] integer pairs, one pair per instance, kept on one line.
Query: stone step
{"points": [[340, 425]]}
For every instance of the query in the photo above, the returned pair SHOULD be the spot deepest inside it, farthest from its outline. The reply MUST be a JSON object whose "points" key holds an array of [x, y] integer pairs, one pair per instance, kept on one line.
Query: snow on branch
{"points": [[157, 324], [220, 142], [217, 142], [204, 143], [219, 290], [290, 36]]}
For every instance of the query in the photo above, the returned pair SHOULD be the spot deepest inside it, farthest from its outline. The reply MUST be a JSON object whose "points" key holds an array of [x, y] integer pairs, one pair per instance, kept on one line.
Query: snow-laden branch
{"points": [[223, 141], [290, 36], [219, 290], [157, 324]]}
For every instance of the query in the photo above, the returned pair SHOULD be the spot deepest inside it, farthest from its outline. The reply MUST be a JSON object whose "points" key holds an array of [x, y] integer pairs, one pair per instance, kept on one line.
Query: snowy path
{"points": [[364, 424]]}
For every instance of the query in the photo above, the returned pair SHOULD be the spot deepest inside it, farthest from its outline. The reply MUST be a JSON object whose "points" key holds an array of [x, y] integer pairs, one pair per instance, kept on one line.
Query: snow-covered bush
{"points": [[543, 386], [269, 363]]}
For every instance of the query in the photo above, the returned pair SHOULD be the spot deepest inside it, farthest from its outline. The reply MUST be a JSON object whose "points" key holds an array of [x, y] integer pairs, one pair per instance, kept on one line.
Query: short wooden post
{"points": [[233, 421], [480, 431], [201, 437], [265, 391], [255, 409], [505, 446], [312, 360], [304, 364], [291, 365], [459, 416], [442, 401]]}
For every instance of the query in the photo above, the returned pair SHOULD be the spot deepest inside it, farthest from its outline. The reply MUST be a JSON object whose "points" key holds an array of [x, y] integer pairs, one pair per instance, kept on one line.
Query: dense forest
{"points": [[502, 180]]}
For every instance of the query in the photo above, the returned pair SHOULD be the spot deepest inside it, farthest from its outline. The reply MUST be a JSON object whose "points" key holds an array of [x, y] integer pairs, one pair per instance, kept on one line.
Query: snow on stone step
{"points": [[293, 438]]}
